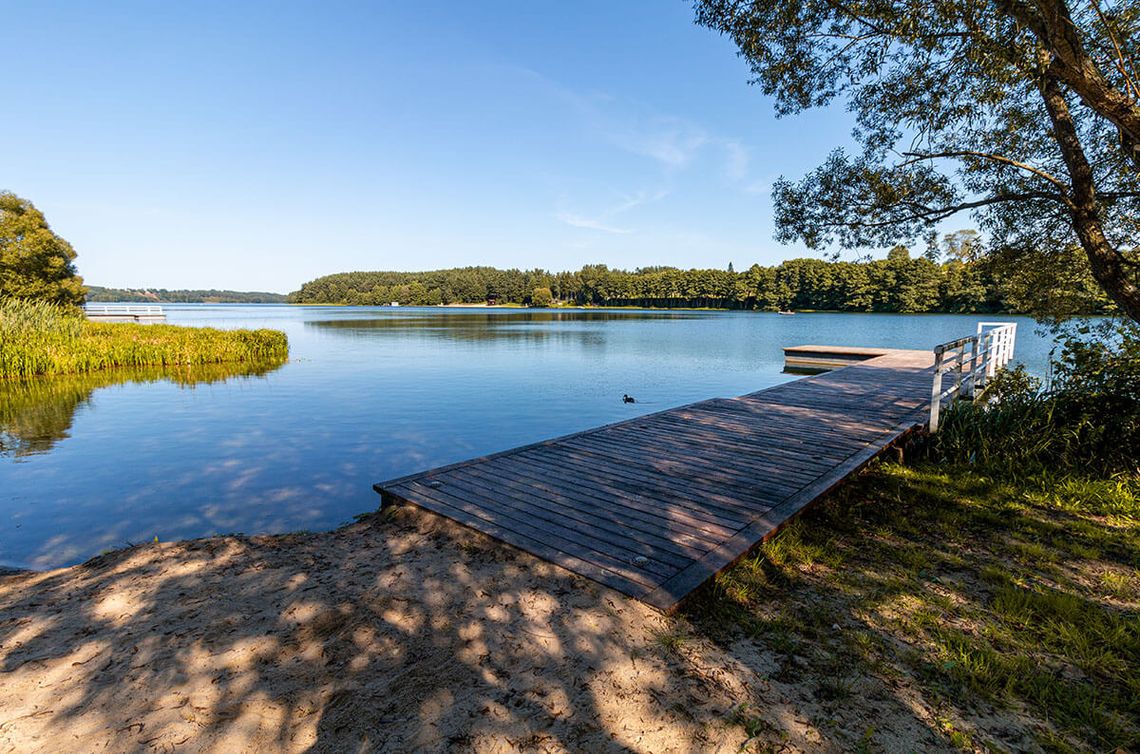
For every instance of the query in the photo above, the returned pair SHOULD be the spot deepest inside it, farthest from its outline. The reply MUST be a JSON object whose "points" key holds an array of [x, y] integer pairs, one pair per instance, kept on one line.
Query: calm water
{"points": [[369, 394]]}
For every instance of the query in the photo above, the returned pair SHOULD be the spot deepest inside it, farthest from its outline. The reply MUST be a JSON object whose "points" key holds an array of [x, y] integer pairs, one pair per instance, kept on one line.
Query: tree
{"points": [[35, 263], [963, 245], [1053, 286], [962, 288], [898, 254], [1024, 113], [541, 297]]}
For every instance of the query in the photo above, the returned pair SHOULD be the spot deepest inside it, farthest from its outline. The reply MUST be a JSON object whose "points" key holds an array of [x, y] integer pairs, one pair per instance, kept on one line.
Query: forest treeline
{"points": [[1052, 284], [162, 296]]}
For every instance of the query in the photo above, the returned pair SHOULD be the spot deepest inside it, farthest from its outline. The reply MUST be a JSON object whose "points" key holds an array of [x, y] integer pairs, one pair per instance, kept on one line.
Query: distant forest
{"points": [[162, 296], [1057, 283]]}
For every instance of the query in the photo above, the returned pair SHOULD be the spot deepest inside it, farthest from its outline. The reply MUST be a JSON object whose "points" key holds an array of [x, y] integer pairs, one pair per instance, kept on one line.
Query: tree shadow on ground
{"points": [[1007, 615], [402, 632]]}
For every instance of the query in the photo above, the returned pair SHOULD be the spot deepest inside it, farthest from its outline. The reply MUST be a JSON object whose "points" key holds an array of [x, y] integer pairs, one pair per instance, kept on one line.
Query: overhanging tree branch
{"points": [[934, 214], [1123, 62], [964, 77], [921, 156]]}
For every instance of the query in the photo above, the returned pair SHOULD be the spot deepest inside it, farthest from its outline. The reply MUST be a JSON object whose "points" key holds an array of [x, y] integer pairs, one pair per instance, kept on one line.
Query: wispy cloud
{"points": [[602, 221], [629, 201], [672, 142], [578, 221]]}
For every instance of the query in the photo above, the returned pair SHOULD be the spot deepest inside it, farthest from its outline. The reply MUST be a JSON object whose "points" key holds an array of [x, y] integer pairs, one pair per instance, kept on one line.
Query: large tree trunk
{"points": [[1075, 67], [1108, 265], [1072, 65]]}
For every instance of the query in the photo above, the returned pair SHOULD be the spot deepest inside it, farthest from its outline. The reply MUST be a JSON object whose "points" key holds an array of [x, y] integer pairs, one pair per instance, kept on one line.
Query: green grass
{"points": [[990, 597], [38, 339]]}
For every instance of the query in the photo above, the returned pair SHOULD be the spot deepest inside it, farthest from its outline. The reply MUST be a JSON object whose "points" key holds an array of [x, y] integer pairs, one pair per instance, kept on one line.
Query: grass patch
{"points": [[38, 339], [1010, 604]]}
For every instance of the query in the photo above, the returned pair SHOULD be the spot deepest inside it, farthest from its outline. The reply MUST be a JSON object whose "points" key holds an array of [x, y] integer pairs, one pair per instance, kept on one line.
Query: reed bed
{"points": [[40, 339]]}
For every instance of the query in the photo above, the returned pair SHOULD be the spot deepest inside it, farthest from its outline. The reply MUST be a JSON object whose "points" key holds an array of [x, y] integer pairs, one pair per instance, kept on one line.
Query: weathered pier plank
{"points": [[656, 505]]}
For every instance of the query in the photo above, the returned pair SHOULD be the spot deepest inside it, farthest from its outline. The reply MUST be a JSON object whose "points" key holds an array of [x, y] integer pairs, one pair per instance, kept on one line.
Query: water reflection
{"points": [[369, 394], [37, 414], [577, 326]]}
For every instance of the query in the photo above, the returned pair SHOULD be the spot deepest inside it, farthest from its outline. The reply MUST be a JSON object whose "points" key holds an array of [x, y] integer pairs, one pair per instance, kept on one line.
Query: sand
{"points": [[404, 632]]}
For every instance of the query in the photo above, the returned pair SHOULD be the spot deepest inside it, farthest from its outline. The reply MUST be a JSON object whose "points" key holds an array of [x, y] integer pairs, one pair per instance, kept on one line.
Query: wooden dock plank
{"points": [[662, 486], [565, 517], [643, 519], [587, 515], [665, 458], [656, 505], [764, 527], [706, 515], [563, 540]]}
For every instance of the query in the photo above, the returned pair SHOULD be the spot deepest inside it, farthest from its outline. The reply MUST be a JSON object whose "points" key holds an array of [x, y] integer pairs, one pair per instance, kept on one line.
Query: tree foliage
{"points": [[35, 263], [181, 296], [1024, 113], [898, 283], [541, 297]]}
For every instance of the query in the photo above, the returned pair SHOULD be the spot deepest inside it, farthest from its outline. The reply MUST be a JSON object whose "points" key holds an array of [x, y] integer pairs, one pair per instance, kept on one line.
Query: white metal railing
{"points": [[123, 310], [972, 361]]}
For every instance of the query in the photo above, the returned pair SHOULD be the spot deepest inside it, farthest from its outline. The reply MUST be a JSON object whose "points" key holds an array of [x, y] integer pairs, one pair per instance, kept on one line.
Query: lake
{"points": [[96, 462]]}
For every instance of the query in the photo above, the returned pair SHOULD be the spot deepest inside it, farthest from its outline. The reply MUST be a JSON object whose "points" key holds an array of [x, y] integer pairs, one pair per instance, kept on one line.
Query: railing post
{"points": [[969, 383], [936, 391], [990, 351], [959, 374]]}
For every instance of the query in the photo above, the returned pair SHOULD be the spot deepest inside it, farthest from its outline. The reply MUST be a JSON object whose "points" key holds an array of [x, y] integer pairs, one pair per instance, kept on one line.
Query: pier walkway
{"points": [[125, 313], [655, 506]]}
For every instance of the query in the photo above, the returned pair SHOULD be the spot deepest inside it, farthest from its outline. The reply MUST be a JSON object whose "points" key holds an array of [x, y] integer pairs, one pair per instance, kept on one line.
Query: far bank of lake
{"points": [[371, 393]]}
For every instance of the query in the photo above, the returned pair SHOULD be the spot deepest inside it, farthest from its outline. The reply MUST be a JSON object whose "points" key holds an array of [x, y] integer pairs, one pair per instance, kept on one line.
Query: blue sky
{"points": [[258, 145]]}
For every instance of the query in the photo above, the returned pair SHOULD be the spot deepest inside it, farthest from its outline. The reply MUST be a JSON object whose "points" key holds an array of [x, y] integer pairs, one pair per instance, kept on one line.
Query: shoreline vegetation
{"points": [[101, 295], [1057, 285], [40, 339]]}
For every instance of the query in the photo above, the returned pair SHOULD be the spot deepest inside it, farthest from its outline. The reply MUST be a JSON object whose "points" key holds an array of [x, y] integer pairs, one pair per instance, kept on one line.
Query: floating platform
{"points": [[118, 313], [814, 359], [655, 506]]}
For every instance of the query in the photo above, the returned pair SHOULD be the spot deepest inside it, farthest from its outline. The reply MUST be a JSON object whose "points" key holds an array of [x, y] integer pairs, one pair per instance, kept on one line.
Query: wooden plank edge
{"points": [[531, 446], [768, 524], [543, 443], [580, 567]]}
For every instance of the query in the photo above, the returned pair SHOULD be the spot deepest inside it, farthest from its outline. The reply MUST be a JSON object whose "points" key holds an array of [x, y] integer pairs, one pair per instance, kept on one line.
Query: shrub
{"points": [[1087, 417]]}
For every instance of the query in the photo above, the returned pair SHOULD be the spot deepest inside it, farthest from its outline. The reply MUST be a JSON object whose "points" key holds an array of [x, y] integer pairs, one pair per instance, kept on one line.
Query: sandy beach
{"points": [[402, 632]]}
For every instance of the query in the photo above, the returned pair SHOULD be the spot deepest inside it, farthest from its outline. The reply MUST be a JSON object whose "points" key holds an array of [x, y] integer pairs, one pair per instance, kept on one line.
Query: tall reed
{"points": [[39, 339]]}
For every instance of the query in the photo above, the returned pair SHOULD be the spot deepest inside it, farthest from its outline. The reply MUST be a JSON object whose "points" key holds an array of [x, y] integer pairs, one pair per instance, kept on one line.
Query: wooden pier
{"points": [[123, 313], [656, 505], [815, 359]]}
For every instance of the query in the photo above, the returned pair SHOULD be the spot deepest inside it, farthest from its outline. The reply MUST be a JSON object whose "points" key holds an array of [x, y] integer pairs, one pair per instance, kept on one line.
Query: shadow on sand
{"points": [[402, 632]]}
